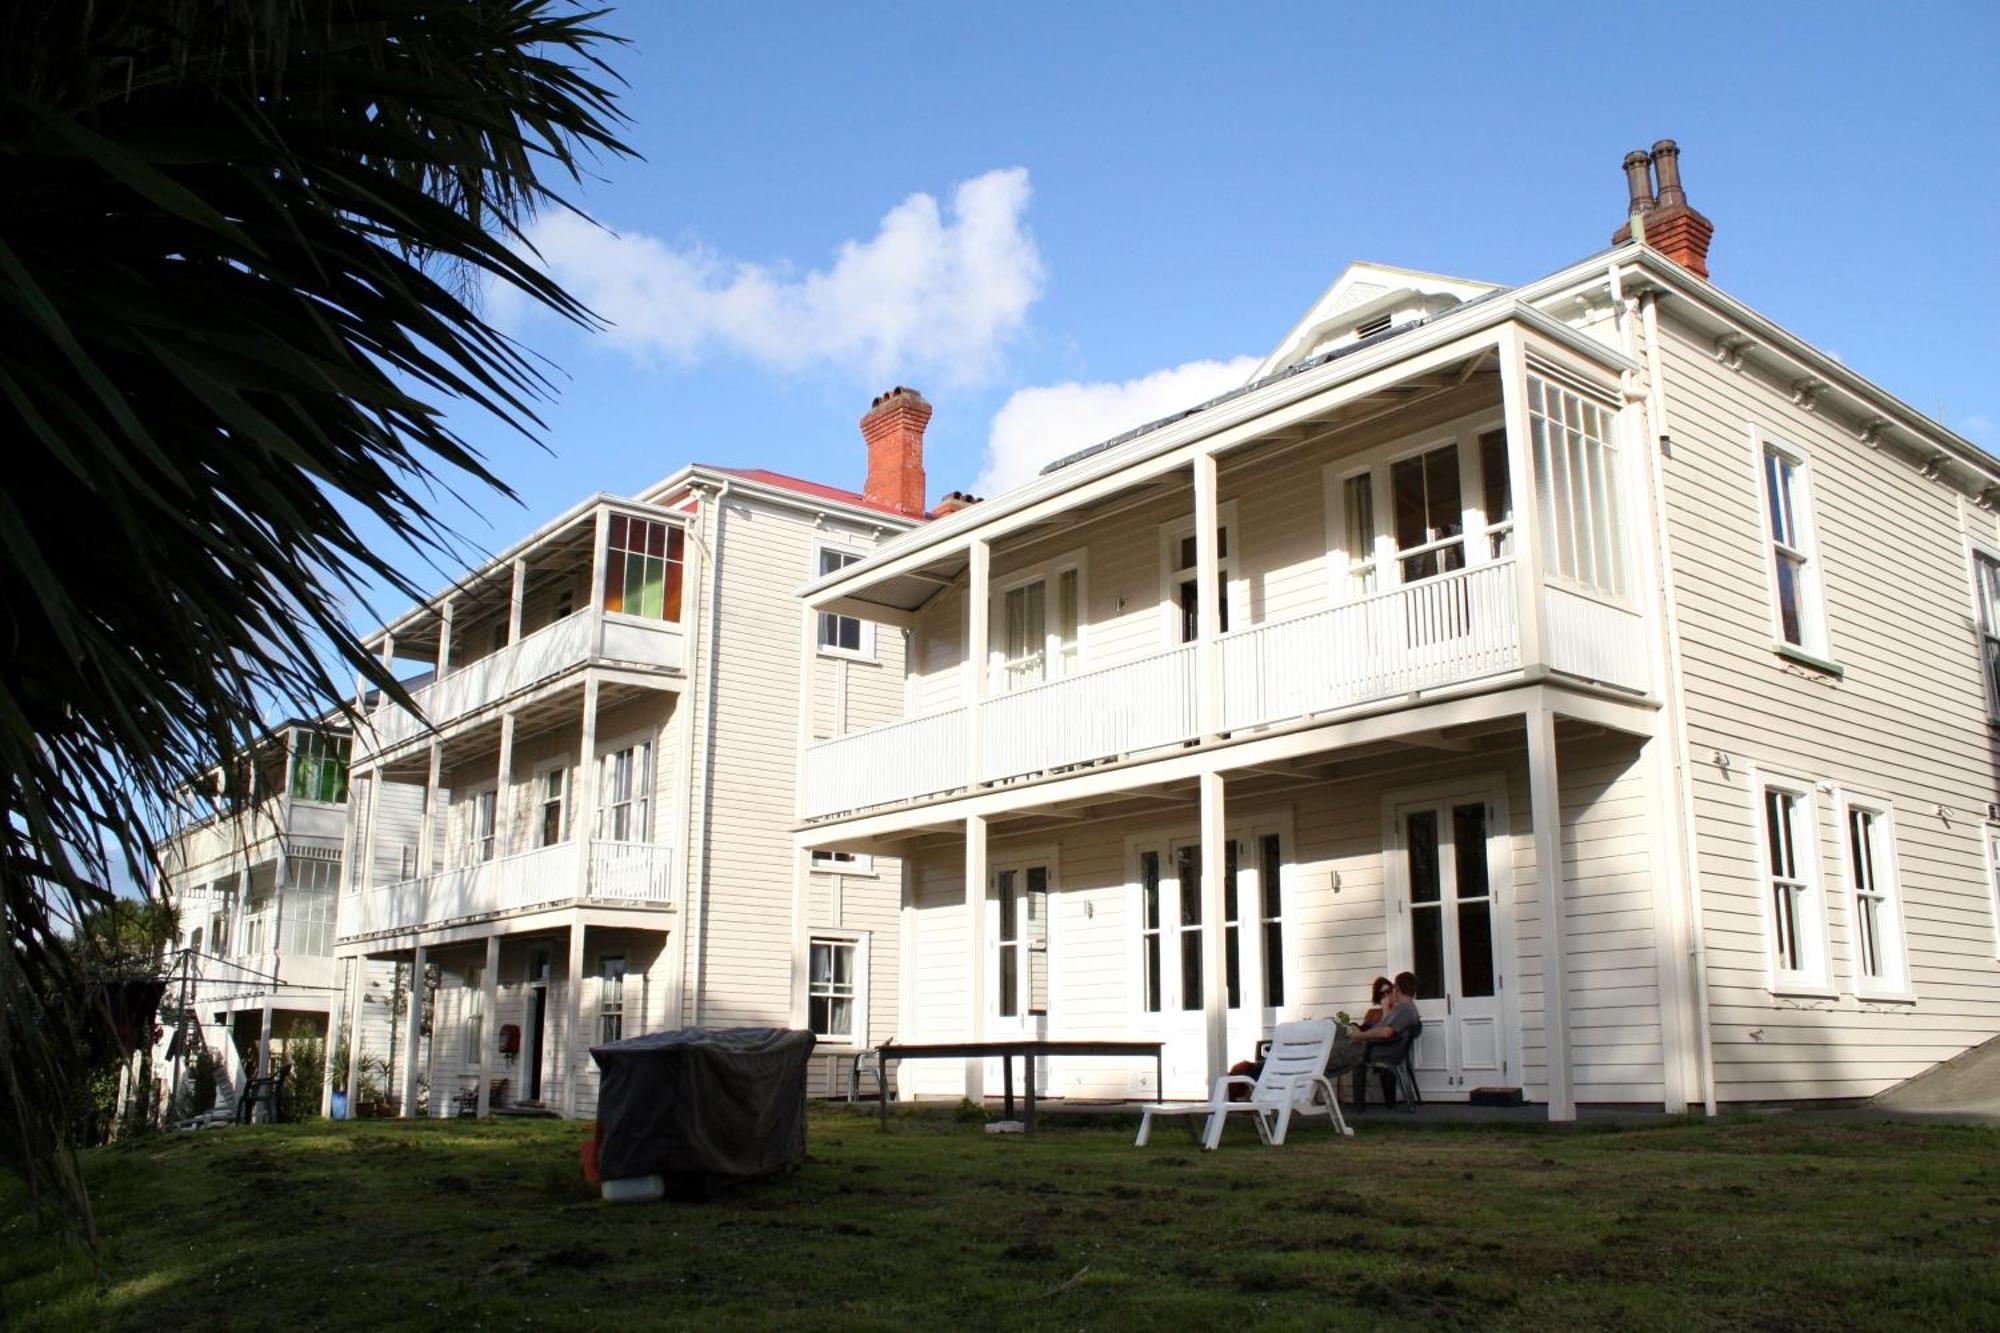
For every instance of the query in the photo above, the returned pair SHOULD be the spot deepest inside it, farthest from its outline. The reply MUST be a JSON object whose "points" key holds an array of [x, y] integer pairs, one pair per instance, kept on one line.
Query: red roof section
{"points": [[804, 487]]}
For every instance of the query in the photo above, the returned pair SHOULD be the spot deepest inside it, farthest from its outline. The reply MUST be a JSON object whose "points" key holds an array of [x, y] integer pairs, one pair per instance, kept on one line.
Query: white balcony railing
{"points": [[1456, 629], [547, 652], [1598, 640], [1443, 631], [1116, 710], [619, 872], [904, 760]]}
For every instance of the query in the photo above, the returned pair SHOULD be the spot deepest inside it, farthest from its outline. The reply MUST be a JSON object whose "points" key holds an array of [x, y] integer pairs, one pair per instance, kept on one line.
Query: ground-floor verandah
{"points": [[1200, 907], [504, 1012]]}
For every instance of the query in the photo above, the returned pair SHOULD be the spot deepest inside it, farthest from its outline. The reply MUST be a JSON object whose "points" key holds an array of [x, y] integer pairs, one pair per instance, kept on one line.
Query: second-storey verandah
{"points": [[1552, 665]]}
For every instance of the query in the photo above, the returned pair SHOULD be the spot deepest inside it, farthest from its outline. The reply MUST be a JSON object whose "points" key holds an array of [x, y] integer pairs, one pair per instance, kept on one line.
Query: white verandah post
{"points": [[1546, 811], [1215, 980], [503, 790], [516, 597], [412, 1023], [979, 555], [576, 1044], [1208, 596], [975, 939], [1545, 803], [357, 975], [489, 1030], [1527, 513]]}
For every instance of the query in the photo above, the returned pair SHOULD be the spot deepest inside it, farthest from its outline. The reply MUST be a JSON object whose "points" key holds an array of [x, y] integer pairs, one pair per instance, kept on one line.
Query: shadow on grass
{"points": [[1775, 1223]]}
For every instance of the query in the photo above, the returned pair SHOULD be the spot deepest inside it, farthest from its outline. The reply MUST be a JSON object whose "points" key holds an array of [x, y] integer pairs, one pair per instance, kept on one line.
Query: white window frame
{"points": [[829, 862], [1817, 648], [1156, 932], [1814, 980], [610, 750], [858, 941], [1385, 559], [1990, 839], [470, 838], [866, 652], [1985, 626], [610, 996], [565, 818], [1049, 574], [1892, 937], [1172, 574], [1165, 843], [1469, 542]]}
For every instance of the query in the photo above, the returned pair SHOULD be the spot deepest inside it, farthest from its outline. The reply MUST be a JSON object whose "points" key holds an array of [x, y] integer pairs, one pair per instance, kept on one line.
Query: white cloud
{"points": [[938, 290], [1036, 426]]}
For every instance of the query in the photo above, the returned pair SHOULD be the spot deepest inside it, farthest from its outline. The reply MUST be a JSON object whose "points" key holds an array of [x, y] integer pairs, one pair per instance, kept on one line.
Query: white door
{"points": [[1017, 965], [1446, 893], [1173, 985]]}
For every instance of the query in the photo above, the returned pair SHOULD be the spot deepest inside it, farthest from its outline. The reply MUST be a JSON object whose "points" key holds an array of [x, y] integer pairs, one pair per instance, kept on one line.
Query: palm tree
{"points": [[236, 253]]}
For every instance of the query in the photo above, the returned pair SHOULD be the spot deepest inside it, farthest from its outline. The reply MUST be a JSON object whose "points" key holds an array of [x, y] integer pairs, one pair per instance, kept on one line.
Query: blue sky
{"points": [[1092, 195]]}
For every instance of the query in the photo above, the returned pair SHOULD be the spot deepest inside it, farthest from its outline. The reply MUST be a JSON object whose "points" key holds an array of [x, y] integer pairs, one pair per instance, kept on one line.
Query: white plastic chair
{"points": [[1293, 1082]]}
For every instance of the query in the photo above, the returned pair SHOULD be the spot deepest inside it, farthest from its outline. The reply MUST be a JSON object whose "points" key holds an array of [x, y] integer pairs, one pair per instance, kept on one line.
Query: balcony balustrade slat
{"points": [[917, 757], [1592, 638], [1102, 714], [1460, 627], [619, 872]]}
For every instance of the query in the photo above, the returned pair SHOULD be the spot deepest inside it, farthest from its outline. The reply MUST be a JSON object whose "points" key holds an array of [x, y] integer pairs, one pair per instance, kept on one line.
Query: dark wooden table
{"points": [[1027, 1048]]}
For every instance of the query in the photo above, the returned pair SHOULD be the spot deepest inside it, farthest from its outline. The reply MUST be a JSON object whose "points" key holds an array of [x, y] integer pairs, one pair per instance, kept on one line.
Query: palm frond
{"points": [[233, 267]]}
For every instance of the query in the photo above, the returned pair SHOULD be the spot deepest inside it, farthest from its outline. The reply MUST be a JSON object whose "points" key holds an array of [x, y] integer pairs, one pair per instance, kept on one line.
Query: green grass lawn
{"points": [[1793, 1222]]}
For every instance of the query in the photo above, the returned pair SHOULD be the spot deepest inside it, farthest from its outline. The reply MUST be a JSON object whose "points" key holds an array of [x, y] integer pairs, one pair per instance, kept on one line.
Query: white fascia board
{"points": [[1869, 396], [695, 475], [1397, 282]]}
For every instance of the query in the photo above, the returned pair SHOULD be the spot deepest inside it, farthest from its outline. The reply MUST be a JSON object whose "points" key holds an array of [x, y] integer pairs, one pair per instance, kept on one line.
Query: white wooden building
{"points": [[1597, 648], [254, 869], [583, 833]]}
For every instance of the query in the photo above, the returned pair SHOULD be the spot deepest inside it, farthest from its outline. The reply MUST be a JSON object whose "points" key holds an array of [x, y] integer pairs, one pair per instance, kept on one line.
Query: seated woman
{"points": [[1381, 1043], [1379, 993]]}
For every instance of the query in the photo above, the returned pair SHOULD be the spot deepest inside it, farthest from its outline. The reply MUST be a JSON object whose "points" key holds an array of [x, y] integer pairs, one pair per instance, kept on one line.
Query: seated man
{"points": [[1383, 1044]]}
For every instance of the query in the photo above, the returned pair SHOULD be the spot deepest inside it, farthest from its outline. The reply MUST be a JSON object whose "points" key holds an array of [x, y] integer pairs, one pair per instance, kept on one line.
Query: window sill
{"points": [[847, 655], [1803, 991], [1811, 661], [1886, 996]]}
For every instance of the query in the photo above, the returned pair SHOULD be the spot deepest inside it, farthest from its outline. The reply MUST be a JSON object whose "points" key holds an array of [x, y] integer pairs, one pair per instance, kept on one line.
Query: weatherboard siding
{"points": [[745, 780], [1905, 723], [1337, 920]]}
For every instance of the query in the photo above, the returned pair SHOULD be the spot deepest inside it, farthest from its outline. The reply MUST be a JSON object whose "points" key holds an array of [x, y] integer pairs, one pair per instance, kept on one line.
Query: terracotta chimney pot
{"points": [[1667, 223]]}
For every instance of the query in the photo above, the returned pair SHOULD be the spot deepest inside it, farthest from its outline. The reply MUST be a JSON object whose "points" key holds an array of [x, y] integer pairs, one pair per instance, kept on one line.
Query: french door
{"points": [[538, 1021], [1444, 892], [1017, 961], [1173, 982]]}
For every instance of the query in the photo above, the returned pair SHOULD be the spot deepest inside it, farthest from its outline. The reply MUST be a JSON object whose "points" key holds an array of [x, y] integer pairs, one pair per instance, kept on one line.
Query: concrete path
{"points": [[1963, 1090]]}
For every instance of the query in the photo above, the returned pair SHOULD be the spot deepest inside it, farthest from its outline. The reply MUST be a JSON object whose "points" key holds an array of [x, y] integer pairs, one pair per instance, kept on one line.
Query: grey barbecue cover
{"points": [[702, 1103]]}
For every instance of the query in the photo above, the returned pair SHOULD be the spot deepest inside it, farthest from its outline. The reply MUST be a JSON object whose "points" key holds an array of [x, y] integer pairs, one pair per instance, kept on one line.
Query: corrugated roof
{"points": [[804, 487]]}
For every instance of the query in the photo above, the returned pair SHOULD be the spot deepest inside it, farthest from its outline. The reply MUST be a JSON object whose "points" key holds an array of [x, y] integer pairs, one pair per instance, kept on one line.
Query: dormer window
{"points": [[1368, 328]]}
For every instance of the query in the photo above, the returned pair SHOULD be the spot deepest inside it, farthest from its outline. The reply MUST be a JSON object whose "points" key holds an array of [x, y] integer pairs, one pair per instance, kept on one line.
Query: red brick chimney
{"points": [[894, 430], [954, 502], [1667, 223]]}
